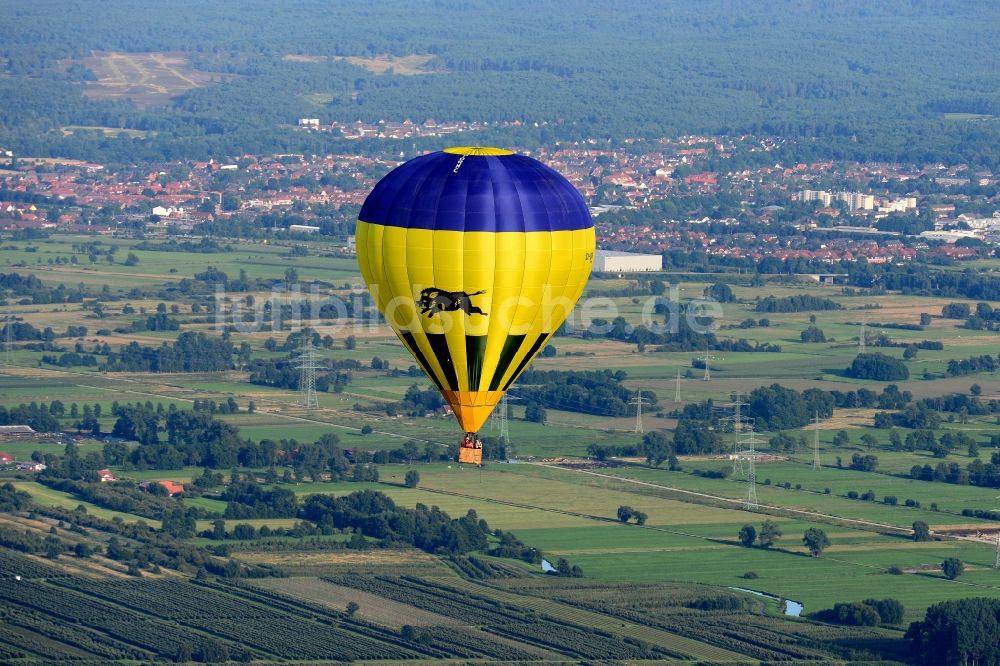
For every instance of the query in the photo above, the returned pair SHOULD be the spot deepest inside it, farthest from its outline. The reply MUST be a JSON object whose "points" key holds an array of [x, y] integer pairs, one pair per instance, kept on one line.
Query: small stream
{"points": [[792, 608]]}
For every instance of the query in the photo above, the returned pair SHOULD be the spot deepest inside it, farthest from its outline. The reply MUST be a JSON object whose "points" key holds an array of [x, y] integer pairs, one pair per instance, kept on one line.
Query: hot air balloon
{"points": [[475, 256]]}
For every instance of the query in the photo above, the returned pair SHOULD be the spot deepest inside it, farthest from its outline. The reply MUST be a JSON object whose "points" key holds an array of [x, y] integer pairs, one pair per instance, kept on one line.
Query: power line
{"points": [[638, 401], [307, 364]]}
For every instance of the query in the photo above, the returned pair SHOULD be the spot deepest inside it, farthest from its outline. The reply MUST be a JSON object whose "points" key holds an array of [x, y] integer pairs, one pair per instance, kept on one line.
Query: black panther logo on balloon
{"points": [[434, 300]]}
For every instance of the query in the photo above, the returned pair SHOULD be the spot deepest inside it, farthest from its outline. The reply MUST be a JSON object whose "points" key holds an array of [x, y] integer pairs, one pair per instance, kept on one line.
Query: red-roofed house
{"points": [[701, 179], [6, 458], [105, 475], [171, 487]]}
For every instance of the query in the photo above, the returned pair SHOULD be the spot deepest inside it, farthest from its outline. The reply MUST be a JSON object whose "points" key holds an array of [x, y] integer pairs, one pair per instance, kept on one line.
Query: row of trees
{"points": [[676, 334], [191, 352], [32, 289], [429, 529], [976, 473], [814, 539], [867, 613], [972, 365], [592, 392], [798, 303]]}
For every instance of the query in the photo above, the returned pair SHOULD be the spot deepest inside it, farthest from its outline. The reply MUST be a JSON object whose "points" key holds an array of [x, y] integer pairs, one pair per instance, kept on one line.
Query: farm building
{"points": [[105, 475], [611, 261], [6, 457], [171, 487], [9, 432]]}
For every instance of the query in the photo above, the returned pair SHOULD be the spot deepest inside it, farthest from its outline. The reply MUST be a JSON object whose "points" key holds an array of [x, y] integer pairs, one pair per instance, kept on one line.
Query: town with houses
{"points": [[849, 200]]}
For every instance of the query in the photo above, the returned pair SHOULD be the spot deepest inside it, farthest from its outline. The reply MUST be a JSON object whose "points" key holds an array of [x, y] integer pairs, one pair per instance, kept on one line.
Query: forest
{"points": [[870, 81]]}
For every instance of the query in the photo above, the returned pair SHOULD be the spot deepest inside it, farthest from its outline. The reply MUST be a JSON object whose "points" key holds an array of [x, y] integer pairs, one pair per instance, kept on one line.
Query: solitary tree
{"points": [[656, 447], [769, 533], [352, 608], [815, 540], [535, 413], [921, 531], [640, 517], [721, 292], [625, 513], [412, 478], [952, 568], [748, 535]]}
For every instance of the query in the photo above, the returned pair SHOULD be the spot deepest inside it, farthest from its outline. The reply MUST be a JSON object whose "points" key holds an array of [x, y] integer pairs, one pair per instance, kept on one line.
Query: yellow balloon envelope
{"points": [[475, 256]]}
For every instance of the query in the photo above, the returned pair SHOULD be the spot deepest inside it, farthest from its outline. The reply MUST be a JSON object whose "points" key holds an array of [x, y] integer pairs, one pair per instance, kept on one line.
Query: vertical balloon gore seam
{"points": [[527, 359], [411, 344], [439, 343], [475, 354], [510, 347]]}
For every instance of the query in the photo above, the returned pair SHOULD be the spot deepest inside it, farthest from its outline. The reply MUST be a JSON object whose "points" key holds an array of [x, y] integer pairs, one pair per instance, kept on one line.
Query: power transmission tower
{"points": [[751, 501], [861, 338], [816, 463], [708, 367], [996, 559], [677, 387], [504, 428], [307, 380], [638, 401], [500, 418], [737, 420]]}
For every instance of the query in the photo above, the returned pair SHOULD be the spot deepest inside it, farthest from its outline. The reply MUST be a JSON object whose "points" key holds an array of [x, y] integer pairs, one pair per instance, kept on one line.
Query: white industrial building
{"points": [[610, 261]]}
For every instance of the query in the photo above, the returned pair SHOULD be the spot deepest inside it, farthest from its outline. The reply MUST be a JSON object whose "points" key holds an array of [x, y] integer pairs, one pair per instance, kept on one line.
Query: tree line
{"points": [[191, 352]]}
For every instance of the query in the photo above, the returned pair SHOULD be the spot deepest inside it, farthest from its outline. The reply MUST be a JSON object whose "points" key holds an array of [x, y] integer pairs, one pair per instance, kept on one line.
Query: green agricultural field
{"points": [[47, 497], [696, 543], [22, 449]]}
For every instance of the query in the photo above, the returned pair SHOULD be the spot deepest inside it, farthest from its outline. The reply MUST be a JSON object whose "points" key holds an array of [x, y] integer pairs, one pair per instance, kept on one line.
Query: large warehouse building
{"points": [[610, 261]]}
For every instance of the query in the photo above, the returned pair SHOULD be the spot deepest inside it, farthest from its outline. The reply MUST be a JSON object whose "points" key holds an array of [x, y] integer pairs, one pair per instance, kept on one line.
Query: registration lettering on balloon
{"points": [[433, 300]]}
